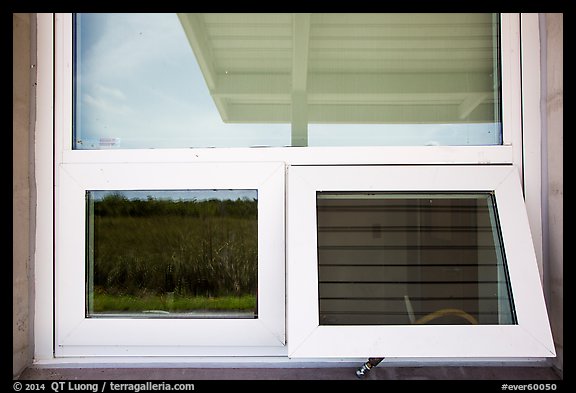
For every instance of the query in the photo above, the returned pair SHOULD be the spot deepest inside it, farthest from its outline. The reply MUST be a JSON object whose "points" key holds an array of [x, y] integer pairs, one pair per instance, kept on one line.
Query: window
{"points": [[169, 108], [415, 258], [417, 261], [180, 253], [247, 80], [144, 288]]}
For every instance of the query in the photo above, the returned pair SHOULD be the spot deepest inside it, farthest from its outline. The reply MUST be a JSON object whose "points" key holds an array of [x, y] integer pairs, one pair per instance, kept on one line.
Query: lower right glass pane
{"points": [[411, 258]]}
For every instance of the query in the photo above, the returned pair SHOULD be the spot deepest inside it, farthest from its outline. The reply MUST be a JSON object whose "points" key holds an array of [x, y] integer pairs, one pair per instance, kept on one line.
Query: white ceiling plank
{"points": [[395, 114], [244, 84], [260, 113], [200, 42], [400, 65], [264, 43], [249, 30], [363, 30], [385, 43], [248, 18], [360, 114], [233, 84], [404, 19]]}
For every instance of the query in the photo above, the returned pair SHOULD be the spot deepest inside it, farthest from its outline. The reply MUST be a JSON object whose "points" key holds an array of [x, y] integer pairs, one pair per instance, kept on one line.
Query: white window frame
{"points": [[509, 152], [530, 337], [54, 136], [78, 335]]}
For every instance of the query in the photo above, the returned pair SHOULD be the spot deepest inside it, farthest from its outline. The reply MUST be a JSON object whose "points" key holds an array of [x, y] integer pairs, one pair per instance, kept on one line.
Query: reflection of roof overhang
{"points": [[346, 68]]}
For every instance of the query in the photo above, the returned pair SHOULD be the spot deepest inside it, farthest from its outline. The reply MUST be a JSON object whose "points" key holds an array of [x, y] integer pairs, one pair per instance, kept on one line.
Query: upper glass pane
{"points": [[247, 80], [172, 254], [416, 258]]}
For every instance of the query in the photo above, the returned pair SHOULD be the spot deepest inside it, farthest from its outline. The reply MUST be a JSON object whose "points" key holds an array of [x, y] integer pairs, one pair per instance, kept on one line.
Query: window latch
{"points": [[366, 367]]}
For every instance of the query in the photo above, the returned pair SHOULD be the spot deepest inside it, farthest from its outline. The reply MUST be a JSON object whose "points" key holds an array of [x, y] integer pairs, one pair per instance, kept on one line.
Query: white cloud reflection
{"points": [[139, 81]]}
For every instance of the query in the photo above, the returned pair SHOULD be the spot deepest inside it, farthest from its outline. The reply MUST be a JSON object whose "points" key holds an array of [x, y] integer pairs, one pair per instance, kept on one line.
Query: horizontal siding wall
{"points": [[397, 260]]}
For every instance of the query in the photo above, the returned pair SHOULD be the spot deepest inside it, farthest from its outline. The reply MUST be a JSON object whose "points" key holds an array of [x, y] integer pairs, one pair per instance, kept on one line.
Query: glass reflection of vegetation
{"points": [[156, 254]]}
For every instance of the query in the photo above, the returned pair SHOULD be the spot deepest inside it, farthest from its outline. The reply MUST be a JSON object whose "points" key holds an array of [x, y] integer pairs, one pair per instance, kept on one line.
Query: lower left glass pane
{"points": [[172, 253]]}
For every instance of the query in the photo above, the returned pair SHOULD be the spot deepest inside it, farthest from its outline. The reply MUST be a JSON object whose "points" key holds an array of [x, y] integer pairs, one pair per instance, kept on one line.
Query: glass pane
{"points": [[138, 84], [401, 259], [172, 254], [404, 79], [247, 80]]}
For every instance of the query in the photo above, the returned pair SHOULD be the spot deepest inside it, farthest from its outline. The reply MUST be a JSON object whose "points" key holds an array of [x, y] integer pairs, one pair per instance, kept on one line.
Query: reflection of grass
{"points": [[111, 303], [191, 248]]}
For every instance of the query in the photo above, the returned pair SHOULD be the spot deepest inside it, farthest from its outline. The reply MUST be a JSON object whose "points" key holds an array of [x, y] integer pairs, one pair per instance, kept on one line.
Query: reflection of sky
{"points": [[138, 80], [175, 195]]}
